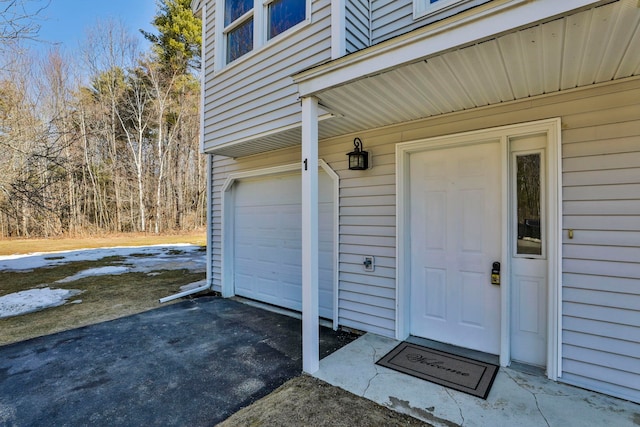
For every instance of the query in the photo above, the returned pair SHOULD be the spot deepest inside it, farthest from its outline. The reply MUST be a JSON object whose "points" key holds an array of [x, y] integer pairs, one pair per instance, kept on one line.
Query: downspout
{"points": [[209, 280], [185, 293], [209, 165]]}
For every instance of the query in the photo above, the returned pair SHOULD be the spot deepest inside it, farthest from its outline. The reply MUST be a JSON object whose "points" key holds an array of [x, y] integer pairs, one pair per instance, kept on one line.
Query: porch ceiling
{"points": [[589, 47]]}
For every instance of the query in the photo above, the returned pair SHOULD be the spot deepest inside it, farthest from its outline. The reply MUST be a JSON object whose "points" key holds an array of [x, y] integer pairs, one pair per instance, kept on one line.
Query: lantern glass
{"points": [[357, 161]]}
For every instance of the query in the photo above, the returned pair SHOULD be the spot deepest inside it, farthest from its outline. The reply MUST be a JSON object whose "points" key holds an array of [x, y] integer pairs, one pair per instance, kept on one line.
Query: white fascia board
{"points": [[483, 22]]}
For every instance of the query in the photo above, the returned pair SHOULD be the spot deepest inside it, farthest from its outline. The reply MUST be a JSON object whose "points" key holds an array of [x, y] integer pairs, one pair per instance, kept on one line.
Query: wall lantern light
{"points": [[358, 159]]}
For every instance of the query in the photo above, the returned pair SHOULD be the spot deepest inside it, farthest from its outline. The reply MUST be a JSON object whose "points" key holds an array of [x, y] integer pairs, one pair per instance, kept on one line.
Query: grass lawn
{"points": [[26, 246], [104, 297]]}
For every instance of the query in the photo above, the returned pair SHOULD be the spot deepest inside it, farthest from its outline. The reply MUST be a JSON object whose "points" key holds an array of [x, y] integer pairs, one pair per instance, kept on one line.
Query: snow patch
{"points": [[100, 271], [33, 300], [144, 259]]}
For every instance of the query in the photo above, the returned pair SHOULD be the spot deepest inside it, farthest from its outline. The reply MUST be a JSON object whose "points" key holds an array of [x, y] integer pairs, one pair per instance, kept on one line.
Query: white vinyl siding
{"points": [[601, 203], [366, 226], [601, 293], [391, 18], [357, 25], [255, 94]]}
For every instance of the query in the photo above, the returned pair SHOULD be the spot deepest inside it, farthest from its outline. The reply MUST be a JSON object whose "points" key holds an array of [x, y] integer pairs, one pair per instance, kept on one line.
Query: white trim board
{"points": [[227, 200], [552, 129]]}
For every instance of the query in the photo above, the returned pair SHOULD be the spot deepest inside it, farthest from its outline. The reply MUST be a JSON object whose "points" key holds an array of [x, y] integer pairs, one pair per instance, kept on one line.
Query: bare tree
{"points": [[109, 51], [18, 22], [133, 118], [113, 147]]}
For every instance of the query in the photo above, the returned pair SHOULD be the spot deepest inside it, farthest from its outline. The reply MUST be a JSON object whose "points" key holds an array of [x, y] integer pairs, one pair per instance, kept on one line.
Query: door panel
{"points": [[268, 241], [455, 237]]}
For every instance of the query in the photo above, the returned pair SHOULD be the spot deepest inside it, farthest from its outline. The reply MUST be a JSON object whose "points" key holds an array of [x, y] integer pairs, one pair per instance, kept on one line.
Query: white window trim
{"points": [[259, 14], [424, 9]]}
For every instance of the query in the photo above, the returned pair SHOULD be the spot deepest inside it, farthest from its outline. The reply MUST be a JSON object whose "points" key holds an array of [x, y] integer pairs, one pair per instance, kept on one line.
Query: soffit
{"points": [[589, 47]]}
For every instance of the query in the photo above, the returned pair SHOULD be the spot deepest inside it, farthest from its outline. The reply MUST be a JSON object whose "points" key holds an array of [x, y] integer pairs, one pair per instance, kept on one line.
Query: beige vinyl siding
{"points": [[256, 94], [357, 25], [391, 18]]}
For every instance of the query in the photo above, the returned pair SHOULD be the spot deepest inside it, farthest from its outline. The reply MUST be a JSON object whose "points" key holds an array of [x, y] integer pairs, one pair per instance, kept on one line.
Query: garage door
{"points": [[268, 239]]}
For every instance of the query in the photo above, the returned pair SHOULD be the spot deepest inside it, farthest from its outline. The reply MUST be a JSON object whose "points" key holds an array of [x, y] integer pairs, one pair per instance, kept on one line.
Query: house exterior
{"points": [[501, 207]]}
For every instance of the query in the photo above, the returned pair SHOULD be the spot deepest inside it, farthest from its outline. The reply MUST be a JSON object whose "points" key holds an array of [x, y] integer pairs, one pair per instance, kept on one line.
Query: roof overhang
{"points": [[500, 52], [471, 27]]}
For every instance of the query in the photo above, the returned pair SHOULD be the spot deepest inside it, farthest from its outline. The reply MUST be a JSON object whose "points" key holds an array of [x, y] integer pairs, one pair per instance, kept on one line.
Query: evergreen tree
{"points": [[178, 42]]}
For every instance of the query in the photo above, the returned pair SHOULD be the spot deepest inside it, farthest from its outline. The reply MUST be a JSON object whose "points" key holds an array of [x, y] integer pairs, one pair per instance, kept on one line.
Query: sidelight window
{"points": [[528, 195]]}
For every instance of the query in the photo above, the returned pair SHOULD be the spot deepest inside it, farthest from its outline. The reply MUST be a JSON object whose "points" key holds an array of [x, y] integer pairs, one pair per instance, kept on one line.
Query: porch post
{"points": [[310, 323]]}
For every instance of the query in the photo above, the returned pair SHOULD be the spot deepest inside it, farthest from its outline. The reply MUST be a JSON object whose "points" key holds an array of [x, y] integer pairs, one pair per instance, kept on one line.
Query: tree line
{"points": [[105, 139]]}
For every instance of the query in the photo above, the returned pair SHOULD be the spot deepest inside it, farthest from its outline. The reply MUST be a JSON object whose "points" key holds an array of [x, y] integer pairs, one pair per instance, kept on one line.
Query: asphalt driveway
{"points": [[188, 364]]}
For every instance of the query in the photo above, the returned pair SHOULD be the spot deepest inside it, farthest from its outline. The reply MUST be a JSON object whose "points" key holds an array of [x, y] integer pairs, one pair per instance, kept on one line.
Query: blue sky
{"points": [[66, 21]]}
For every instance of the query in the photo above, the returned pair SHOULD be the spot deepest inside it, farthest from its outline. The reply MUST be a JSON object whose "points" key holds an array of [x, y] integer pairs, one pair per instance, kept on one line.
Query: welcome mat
{"points": [[448, 370]]}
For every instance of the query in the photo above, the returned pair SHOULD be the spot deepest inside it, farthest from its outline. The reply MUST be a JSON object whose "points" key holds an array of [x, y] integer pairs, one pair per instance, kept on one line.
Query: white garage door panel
{"points": [[268, 239]]}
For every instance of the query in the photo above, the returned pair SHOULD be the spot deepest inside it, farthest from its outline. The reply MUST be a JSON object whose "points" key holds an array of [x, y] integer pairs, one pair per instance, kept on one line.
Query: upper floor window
{"points": [[423, 8], [238, 23], [284, 14], [250, 23]]}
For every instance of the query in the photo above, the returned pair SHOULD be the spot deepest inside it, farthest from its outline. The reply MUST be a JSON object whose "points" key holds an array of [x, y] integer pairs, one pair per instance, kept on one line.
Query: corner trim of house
{"points": [[338, 29], [226, 242], [552, 128], [209, 219]]}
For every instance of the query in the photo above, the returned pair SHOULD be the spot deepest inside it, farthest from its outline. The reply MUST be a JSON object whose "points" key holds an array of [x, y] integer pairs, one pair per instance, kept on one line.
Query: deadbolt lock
{"points": [[495, 274]]}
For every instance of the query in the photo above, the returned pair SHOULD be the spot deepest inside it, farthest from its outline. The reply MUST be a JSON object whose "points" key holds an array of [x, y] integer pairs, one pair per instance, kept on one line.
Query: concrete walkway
{"points": [[516, 399], [193, 363]]}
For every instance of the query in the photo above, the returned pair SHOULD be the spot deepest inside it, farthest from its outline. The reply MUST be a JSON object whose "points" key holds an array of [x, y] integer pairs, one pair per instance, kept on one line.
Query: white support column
{"points": [[310, 323]]}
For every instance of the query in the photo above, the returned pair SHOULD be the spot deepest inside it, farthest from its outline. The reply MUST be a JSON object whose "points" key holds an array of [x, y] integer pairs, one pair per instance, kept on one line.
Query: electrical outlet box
{"points": [[369, 263]]}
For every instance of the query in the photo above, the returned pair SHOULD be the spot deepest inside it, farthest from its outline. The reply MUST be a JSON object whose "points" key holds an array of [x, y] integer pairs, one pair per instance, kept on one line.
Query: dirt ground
{"points": [[303, 401], [307, 401]]}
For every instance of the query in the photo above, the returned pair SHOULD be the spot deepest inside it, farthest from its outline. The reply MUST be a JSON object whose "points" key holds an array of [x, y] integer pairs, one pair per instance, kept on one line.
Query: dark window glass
{"points": [[529, 204], [234, 9], [284, 14], [240, 40]]}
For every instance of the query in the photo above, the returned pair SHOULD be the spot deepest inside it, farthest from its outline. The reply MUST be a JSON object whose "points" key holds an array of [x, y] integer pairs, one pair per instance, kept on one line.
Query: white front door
{"points": [[455, 219], [528, 248]]}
